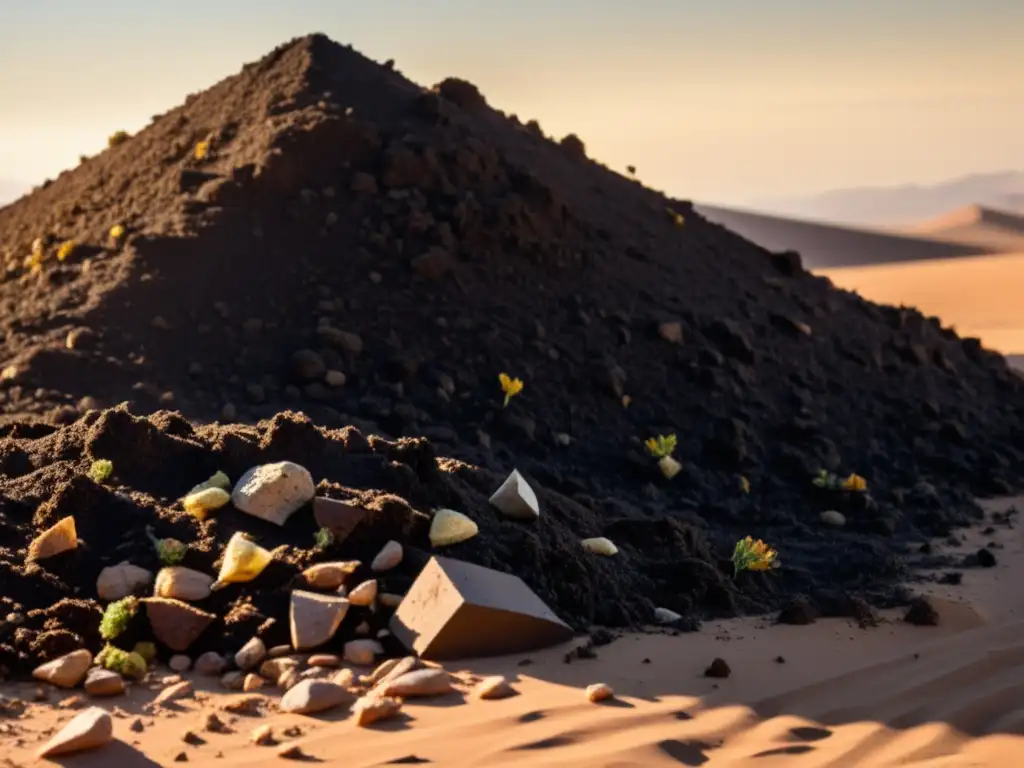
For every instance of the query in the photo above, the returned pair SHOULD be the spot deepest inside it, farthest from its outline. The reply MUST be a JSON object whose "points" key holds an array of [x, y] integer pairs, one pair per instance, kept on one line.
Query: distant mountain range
{"points": [[902, 205]]}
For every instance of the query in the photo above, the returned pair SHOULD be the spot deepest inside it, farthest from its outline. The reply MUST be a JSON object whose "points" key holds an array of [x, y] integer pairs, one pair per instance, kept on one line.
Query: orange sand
{"points": [[845, 697]]}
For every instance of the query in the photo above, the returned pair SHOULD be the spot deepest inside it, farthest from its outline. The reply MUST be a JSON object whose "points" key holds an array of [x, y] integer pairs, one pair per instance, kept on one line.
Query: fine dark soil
{"points": [[420, 242]]}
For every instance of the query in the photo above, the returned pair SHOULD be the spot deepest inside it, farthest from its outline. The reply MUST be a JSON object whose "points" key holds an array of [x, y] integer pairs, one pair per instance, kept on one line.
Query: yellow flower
{"points": [[66, 249], [511, 387], [744, 484], [202, 150], [117, 232], [661, 446], [677, 218], [855, 483], [751, 555]]}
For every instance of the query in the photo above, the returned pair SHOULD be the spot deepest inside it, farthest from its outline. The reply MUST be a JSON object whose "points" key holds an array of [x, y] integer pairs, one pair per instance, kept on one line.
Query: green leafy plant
{"points": [[117, 616], [127, 664], [852, 482], [661, 446], [323, 538], [170, 551], [101, 470], [117, 137], [751, 555]]}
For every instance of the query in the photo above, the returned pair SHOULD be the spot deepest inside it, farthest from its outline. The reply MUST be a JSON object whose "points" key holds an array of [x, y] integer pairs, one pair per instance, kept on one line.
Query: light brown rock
{"points": [[184, 584], [91, 729], [599, 692], [383, 669], [62, 536], [315, 618], [251, 654], [274, 668], [389, 557], [66, 671], [364, 594], [346, 678], [494, 687], [404, 666], [179, 662], [289, 679], [389, 599], [174, 692], [273, 492], [119, 581], [103, 682], [329, 575], [176, 624], [324, 660], [233, 681], [210, 664], [422, 682], [369, 709], [252, 683], [362, 652], [311, 696]]}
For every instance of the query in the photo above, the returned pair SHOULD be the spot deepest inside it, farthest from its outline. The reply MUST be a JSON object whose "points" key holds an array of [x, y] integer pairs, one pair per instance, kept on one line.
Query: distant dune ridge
{"points": [[976, 225]]}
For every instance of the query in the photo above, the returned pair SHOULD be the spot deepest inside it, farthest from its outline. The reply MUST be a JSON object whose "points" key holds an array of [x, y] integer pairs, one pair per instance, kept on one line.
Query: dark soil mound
{"points": [[346, 221]]}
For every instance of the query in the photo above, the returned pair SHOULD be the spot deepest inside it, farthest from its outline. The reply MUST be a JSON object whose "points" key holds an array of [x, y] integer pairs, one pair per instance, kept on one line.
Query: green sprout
{"points": [[751, 555], [170, 551], [117, 616], [127, 664], [323, 538], [101, 470], [661, 446]]}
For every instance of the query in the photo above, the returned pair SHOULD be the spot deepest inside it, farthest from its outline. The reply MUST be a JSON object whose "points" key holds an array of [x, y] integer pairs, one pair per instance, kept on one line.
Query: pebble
{"points": [[176, 624], [252, 683], [389, 557], [119, 581], [58, 538], [91, 729], [370, 709], [334, 378], [364, 594], [66, 671], [183, 584], [174, 692], [833, 518], [273, 492], [233, 681], [214, 724], [251, 654], [362, 652], [263, 736], [422, 682], [666, 616], [389, 599], [311, 696], [272, 669], [718, 668], [210, 664], [289, 679], [516, 499], [450, 527], [180, 663], [329, 575], [346, 678], [103, 682], [599, 692], [324, 660], [494, 687]]}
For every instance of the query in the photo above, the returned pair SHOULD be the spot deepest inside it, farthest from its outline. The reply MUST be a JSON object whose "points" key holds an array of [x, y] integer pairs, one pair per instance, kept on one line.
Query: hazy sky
{"points": [[714, 100]]}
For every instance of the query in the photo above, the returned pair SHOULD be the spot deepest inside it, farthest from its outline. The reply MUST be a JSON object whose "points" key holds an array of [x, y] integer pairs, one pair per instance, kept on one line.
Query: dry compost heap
{"points": [[419, 242]]}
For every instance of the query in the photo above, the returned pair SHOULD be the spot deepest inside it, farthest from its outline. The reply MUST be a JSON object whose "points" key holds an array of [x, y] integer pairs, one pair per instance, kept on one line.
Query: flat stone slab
{"points": [[457, 610]]}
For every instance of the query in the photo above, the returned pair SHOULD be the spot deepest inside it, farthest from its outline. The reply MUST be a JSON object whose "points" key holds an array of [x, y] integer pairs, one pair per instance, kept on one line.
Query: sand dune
{"points": [[842, 697], [830, 246], [976, 226]]}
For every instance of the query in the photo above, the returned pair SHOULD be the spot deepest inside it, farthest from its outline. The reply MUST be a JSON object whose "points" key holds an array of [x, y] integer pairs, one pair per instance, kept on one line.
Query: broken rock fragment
{"points": [[315, 618], [369, 709], [273, 492], [91, 729], [339, 517], [66, 671], [60, 537], [516, 499], [176, 624], [119, 581], [450, 527], [364, 594]]}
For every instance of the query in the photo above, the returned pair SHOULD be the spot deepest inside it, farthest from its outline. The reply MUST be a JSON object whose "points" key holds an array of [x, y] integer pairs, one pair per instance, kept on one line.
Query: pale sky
{"points": [[714, 100]]}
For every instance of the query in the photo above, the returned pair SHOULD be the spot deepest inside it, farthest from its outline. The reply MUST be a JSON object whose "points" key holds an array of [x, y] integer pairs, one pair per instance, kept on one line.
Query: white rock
{"points": [[450, 527], [600, 546], [389, 557], [273, 492], [364, 594], [184, 584], [121, 580], [311, 696], [665, 616], [179, 662], [92, 728], [66, 671], [833, 518], [422, 682], [599, 692], [362, 652], [516, 499]]}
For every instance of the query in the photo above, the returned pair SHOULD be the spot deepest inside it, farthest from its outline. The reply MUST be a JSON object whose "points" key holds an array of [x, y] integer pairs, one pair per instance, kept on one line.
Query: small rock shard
{"points": [[718, 668], [600, 546], [666, 616], [516, 499], [91, 729], [119, 581], [176, 624], [66, 671], [599, 692], [183, 584], [389, 557], [311, 696], [833, 518], [174, 692], [420, 683], [450, 527], [273, 492], [370, 709], [339, 517], [60, 537], [103, 682], [450, 596], [315, 618]]}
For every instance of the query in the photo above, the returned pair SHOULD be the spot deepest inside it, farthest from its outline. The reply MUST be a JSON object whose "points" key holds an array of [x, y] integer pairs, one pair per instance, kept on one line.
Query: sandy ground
{"points": [[828, 694]]}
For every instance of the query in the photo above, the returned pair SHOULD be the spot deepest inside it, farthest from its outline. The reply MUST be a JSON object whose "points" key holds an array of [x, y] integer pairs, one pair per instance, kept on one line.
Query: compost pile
{"points": [[317, 234]]}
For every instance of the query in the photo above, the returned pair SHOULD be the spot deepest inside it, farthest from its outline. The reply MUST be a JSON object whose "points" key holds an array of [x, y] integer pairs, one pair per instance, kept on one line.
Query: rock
{"points": [[346, 678], [599, 692], [334, 379], [450, 595], [252, 683], [339, 517], [91, 729], [450, 527], [985, 558], [922, 613], [292, 752], [60, 537], [250, 654], [718, 668], [421, 682], [665, 616], [289, 679], [494, 687], [183, 584], [66, 671], [362, 652], [329, 575], [671, 332], [263, 736], [210, 664], [389, 599], [233, 681], [103, 682], [174, 692], [312, 696], [600, 546], [176, 624], [369, 709], [118, 581], [272, 669], [364, 594], [328, 660], [516, 499], [833, 518], [246, 705], [307, 365], [180, 663], [389, 557], [273, 492], [315, 618]]}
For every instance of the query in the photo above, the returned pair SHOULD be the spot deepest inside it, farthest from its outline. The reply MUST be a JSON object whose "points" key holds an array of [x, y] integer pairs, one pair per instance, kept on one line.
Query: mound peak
{"points": [[319, 233], [973, 215]]}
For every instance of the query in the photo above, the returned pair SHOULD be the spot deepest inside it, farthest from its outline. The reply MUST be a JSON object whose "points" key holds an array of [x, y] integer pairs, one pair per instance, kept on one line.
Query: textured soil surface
{"points": [[347, 221]]}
